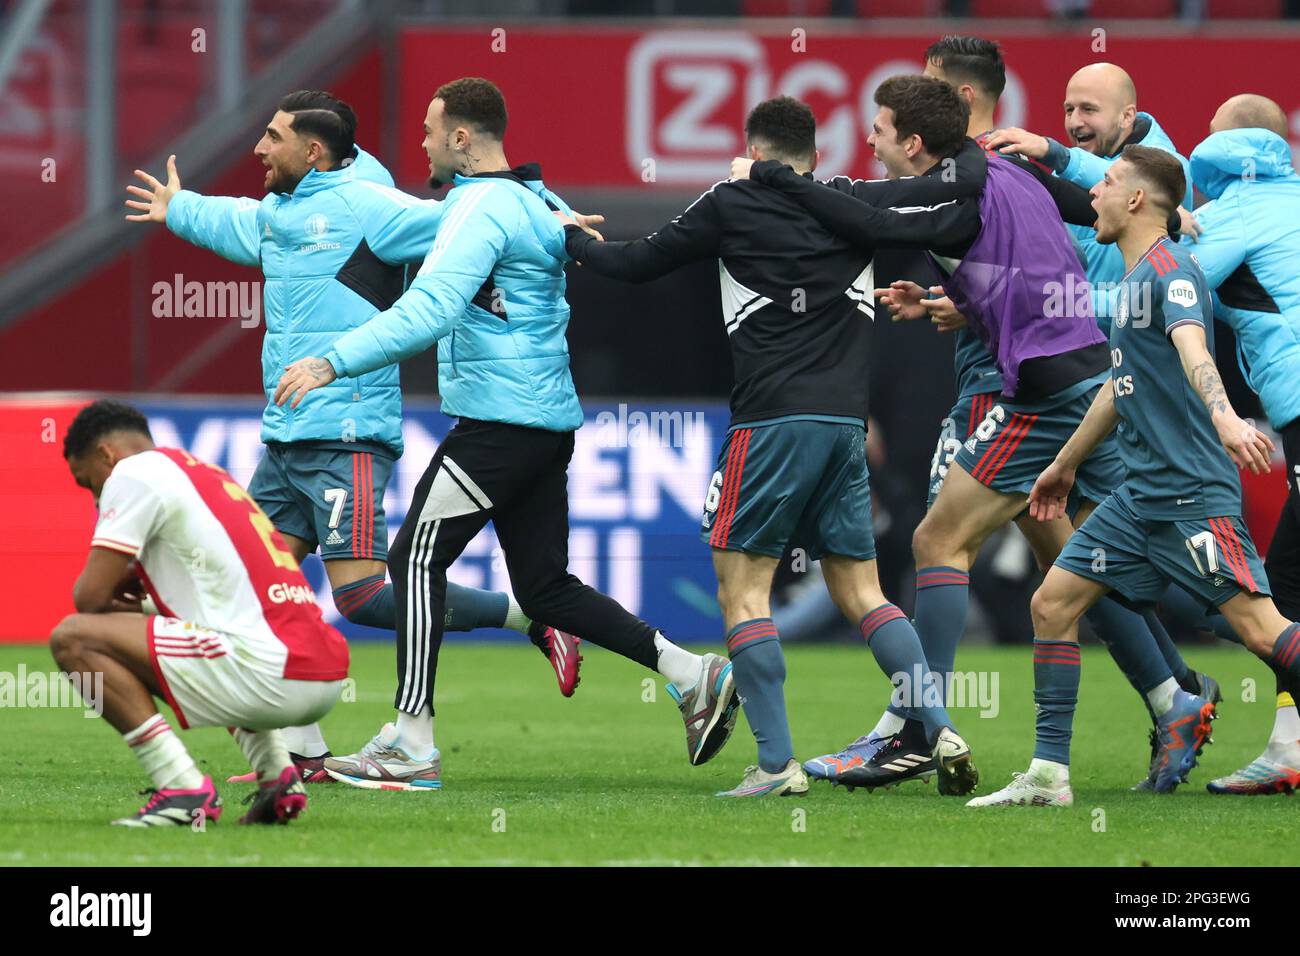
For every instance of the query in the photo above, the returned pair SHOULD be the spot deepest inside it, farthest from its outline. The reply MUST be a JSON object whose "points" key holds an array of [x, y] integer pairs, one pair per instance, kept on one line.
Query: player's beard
{"points": [[282, 182], [1112, 145]]}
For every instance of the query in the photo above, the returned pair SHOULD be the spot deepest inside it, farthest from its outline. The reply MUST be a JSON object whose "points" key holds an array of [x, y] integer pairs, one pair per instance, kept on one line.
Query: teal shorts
{"points": [[1211, 558], [326, 496], [955, 429], [1014, 443], [801, 483]]}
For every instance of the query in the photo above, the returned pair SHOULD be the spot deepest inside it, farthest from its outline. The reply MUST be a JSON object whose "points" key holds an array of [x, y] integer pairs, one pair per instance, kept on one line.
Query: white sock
{"points": [[1161, 697], [415, 733], [678, 664], [265, 751], [304, 741], [163, 756], [1286, 729], [1049, 771], [516, 619], [888, 725]]}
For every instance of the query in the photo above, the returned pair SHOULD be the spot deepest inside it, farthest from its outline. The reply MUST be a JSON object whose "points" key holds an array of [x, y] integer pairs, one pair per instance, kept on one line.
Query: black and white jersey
{"points": [[797, 300]]}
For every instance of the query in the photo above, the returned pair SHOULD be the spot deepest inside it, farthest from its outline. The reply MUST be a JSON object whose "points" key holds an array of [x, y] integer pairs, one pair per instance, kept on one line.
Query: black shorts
{"points": [[1283, 559]]}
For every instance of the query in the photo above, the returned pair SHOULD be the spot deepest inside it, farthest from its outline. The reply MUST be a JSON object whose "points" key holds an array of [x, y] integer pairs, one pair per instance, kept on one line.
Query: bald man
{"points": [[1248, 250], [1101, 118]]}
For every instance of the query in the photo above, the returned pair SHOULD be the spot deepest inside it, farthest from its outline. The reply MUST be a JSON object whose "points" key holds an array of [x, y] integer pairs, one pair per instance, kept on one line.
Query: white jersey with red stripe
{"points": [[210, 556]]}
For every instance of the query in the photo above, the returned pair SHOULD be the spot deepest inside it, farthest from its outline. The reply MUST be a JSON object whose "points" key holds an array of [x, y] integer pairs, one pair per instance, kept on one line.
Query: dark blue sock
{"points": [[470, 608], [368, 601], [897, 648], [1128, 637], [942, 599], [1168, 649], [1056, 694], [758, 667], [1285, 657]]}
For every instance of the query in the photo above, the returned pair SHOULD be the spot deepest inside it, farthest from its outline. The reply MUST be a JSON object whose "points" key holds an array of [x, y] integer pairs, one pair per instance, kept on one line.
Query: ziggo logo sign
{"points": [[681, 102]]}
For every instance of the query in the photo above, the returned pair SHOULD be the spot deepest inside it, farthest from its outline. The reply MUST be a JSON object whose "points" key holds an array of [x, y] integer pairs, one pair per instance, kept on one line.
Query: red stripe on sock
{"points": [[1056, 654], [879, 618], [352, 600], [1291, 644], [157, 730], [751, 633], [930, 579]]}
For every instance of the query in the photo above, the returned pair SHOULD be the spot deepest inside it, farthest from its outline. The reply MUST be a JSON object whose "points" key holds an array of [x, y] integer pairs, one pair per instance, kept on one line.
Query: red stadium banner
{"points": [[48, 519], [622, 107]]}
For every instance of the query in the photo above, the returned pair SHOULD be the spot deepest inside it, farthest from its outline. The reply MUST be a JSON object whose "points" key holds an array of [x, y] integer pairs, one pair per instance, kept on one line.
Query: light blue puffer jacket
{"points": [[332, 253], [491, 294], [1250, 253]]}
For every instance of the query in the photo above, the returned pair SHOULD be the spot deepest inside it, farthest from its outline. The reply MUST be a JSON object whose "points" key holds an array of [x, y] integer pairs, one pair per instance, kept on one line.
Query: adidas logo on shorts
{"points": [[334, 537]]}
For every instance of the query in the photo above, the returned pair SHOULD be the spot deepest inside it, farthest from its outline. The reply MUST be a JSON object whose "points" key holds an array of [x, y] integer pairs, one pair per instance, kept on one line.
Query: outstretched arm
{"points": [[1074, 164], [692, 236], [946, 223], [222, 224], [958, 177]]}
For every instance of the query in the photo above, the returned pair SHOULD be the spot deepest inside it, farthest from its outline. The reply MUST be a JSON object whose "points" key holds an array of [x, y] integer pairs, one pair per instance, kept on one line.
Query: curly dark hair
{"points": [[786, 126], [324, 116], [99, 419], [474, 101], [972, 60], [928, 107]]}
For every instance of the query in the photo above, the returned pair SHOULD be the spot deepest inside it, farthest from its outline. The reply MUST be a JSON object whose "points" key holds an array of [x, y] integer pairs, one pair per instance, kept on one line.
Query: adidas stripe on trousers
{"points": [[516, 477]]}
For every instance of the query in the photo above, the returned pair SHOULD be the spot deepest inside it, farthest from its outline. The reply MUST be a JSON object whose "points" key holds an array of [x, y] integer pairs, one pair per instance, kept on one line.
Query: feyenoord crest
{"points": [[1121, 310], [316, 226]]}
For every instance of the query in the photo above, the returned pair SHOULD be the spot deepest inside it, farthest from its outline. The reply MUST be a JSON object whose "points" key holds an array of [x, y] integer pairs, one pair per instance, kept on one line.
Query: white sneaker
{"points": [[790, 781], [382, 765], [1037, 788]]}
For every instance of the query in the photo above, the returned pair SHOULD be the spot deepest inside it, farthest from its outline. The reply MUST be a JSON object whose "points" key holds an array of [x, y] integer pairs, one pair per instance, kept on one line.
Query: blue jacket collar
{"points": [[529, 175], [361, 166]]}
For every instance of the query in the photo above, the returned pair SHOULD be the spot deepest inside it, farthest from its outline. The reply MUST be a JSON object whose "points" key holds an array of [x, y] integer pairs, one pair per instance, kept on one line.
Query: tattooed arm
{"points": [[301, 377], [1247, 447]]}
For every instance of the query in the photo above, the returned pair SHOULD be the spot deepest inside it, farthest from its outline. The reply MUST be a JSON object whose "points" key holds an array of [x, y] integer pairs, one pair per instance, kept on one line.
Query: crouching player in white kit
{"points": [[239, 643]]}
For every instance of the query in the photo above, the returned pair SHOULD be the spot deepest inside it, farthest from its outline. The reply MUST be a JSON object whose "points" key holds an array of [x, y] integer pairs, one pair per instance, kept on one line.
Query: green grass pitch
{"points": [[531, 778]]}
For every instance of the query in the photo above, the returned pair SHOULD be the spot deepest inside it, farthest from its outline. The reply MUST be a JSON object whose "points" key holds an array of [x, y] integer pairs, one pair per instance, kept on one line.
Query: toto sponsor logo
{"points": [[295, 593], [688, 94]]}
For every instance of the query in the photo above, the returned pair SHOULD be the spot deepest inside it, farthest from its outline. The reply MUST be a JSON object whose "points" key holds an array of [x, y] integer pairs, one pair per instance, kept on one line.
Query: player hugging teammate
{"points": [[1104, 430]]}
